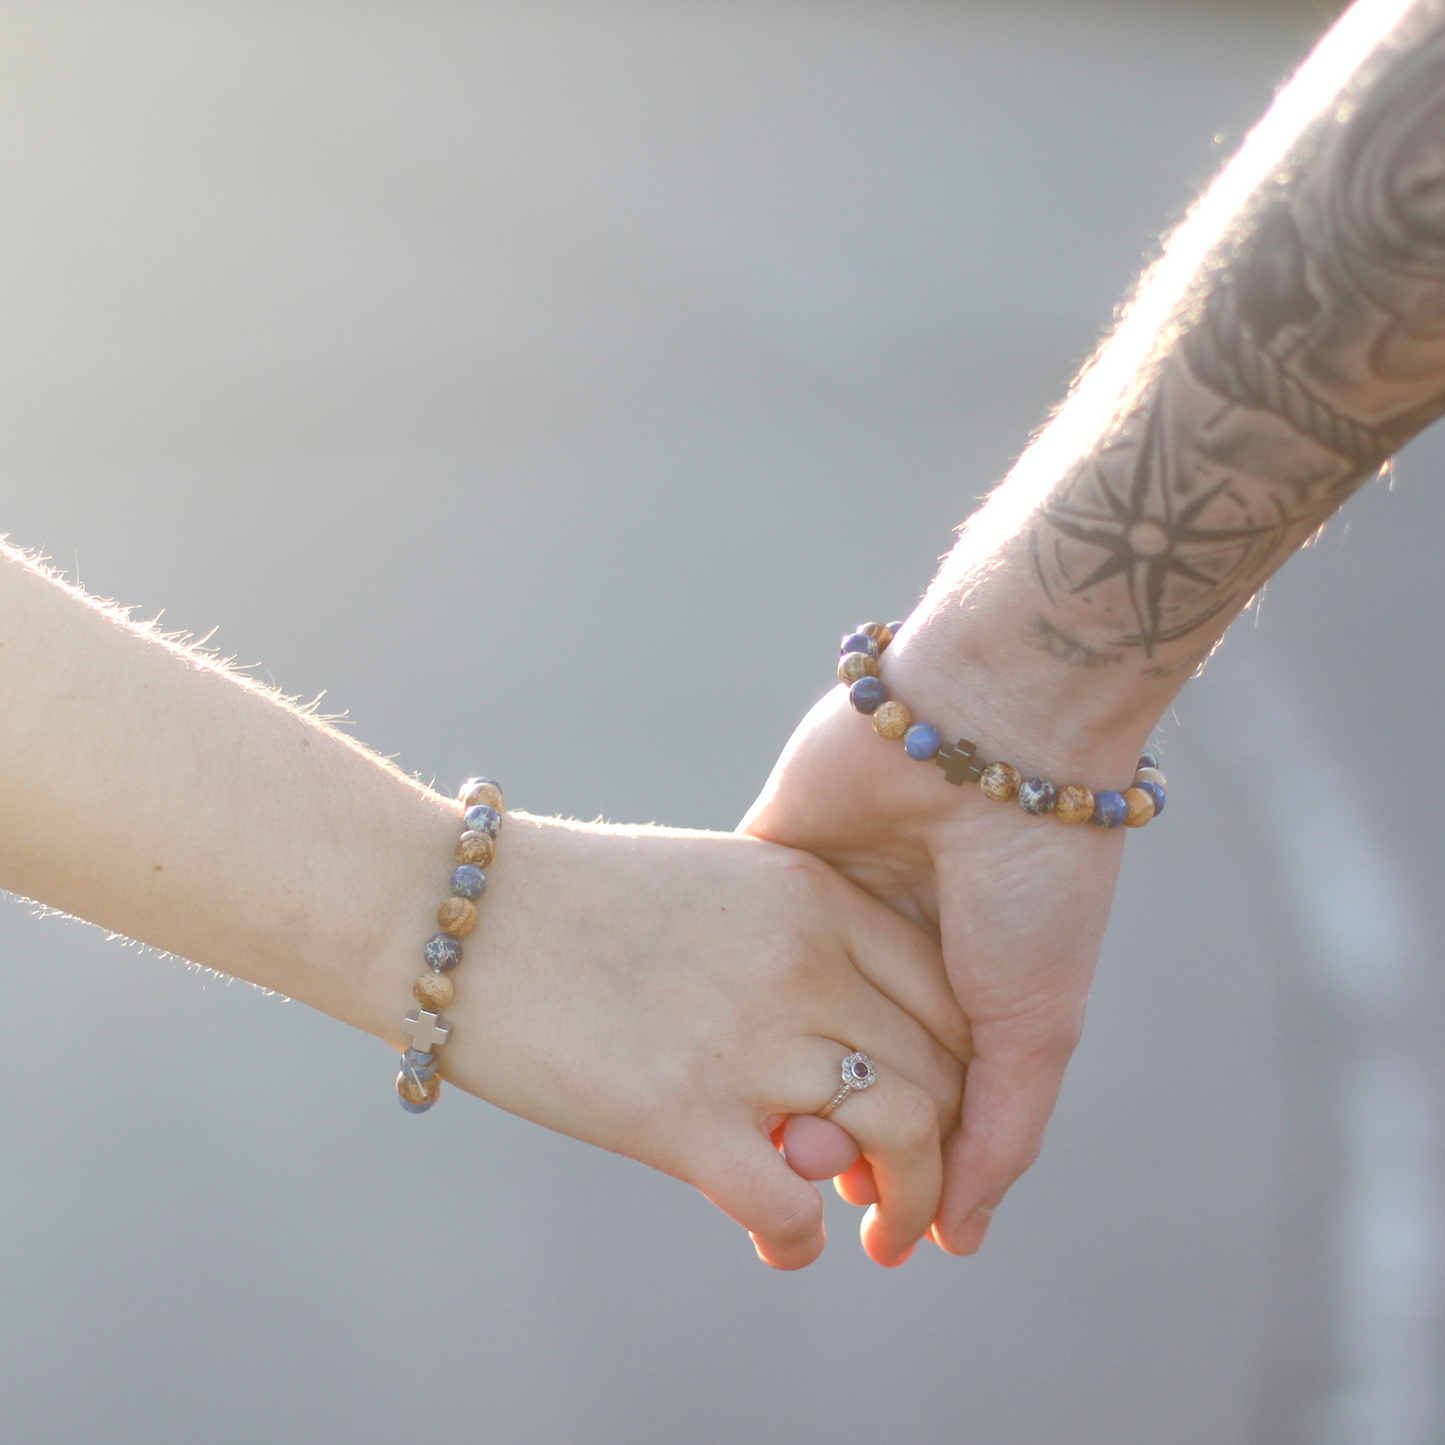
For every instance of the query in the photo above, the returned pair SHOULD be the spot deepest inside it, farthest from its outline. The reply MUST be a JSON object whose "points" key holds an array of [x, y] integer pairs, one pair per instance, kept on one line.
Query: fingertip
{"points": [[795, 1254], [878, 1246], [817, 1148], [967, 1237], [858, 1184]]}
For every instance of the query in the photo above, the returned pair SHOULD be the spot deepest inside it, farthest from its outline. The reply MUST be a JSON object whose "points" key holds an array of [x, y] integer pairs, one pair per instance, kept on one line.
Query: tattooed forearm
{"points": [[1312, 346]]}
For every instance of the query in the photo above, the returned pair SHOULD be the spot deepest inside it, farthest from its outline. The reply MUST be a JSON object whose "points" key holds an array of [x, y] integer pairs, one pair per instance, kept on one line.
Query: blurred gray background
{"points": [[628, 351]]}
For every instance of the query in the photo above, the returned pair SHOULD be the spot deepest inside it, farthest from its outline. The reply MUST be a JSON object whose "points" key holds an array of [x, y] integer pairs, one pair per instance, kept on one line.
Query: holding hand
{"points": [[675, 996]]}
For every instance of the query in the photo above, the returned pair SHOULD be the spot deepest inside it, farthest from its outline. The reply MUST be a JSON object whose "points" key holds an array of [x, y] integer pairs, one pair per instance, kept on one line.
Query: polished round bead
{"points": [[1150, 775], [853, 665], [1110, 809], [475, 848], [442, 952], [457, 916], [1075, 804], [433, 991], [1037, 795], [468, 881], [868, 694], [894, 628], [1148, 760], [1000, 781], [891, 719], [1139, 807], [859, 642], [1155, 792], [483, 818], [416, 1061], [482, 790], [922, 741], [878, 631], [417, 1095]]}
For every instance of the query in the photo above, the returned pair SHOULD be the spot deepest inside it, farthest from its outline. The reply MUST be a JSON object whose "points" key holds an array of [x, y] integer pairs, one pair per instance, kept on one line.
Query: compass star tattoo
{"points": [[1311, 347], [1137, 520]]}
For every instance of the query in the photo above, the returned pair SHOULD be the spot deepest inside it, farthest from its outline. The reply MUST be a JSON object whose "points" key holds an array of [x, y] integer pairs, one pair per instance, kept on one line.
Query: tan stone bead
{"points": [[475, 848], [486, 792], [853, 665], [891, 719], [418, 1091], [457, 916], [433, 991], [1075, 804], [1000, 781], [879, 632], [1152, 775], [1140, 805]]}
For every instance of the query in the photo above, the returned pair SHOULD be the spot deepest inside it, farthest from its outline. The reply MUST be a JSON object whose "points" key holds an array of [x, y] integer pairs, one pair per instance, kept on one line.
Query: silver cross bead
{"points": [[426, 1031]]}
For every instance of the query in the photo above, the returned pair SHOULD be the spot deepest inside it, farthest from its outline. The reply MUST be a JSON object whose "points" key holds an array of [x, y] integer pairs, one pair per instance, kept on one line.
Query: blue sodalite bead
{"points": [[415, 1108], [483, 818], [868, 694], [922, 741], [895, 628], [442, 952], [413, 1061], [1155, 792], [1037, 795], [859, 642], [1110, 809], [1148, 760], [469, 881]]}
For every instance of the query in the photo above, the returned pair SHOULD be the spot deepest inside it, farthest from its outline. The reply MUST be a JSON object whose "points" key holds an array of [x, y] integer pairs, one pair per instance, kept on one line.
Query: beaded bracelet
{"points": [[417, 1083], [1140, 802]]}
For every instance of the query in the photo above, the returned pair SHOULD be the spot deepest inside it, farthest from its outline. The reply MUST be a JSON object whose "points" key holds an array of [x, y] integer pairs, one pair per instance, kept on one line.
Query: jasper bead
{"points": [[442, 952], [1150, 775], [853, 665], [1110, 809], [1155, 792], [1139, 807], [475, 848], [468, 881], [433, 991], [891, 719], [1148, 760], [423, 1065], [483, 818], [881, 634], [1037, 795], [868, 694], [457, 916], [482, 790], [1075, 804], [859, 642], [1000, 781], [922, 741], [417, 1097]]}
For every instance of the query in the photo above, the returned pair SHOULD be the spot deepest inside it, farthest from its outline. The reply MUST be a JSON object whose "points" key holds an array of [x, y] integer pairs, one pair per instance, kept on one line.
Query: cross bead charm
{"points": [[961, 763], [426, 1031]]}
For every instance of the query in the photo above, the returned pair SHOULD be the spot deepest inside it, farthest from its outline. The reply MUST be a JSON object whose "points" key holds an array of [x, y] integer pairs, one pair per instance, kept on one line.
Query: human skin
{"points": [[672, 996], [1291, 337]]}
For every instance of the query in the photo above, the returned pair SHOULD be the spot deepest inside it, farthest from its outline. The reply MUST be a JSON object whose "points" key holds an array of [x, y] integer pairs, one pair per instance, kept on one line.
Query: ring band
{"points": [[858, 1074]]}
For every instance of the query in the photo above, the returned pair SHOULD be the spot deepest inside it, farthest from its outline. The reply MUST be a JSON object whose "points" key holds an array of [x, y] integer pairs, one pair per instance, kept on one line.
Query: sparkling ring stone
{"points": [[858, 1074]]}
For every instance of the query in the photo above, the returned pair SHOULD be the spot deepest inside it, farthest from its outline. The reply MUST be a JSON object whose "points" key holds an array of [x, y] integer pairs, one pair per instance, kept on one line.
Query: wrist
{"points": [[985, 658]]}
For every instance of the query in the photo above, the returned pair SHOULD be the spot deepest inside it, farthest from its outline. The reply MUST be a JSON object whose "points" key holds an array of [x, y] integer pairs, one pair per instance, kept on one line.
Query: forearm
{"points": [[145, 788], [1289, 340]]}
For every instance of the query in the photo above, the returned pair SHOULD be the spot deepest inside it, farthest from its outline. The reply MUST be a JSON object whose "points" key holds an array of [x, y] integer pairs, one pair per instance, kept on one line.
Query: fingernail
{"points": [[969, 1235]]}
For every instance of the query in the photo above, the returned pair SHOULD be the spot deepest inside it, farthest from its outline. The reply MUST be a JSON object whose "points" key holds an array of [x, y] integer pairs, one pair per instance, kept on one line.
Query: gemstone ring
{"points": [[858, 1074]]}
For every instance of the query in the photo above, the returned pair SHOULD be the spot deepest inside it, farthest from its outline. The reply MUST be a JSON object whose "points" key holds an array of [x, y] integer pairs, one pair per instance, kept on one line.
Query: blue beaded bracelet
{"points": [[1138, 803], [417, 1084]]}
